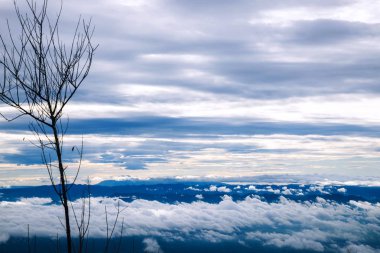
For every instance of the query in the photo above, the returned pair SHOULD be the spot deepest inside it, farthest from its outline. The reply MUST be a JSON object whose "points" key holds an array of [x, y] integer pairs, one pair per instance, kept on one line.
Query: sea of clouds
{"points": [[321, 225]]}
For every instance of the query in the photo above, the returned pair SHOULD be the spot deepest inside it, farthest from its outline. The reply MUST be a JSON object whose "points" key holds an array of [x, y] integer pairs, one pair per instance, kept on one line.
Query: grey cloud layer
{"points": [[307, 56], [315, 52]]}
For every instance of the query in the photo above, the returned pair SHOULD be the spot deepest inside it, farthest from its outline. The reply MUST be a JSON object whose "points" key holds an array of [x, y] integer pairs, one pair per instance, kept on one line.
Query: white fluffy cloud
{"points": [[167, 101], [151, 246], [321, 226], [342, 190]]}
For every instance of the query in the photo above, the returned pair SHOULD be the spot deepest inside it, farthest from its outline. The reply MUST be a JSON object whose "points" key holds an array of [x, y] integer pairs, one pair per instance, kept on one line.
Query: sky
{"points": [[217, 89]]}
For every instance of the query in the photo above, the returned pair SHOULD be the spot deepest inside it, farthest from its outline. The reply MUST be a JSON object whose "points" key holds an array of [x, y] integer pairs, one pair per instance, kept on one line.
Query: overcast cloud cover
{"points": [[229, 88]]}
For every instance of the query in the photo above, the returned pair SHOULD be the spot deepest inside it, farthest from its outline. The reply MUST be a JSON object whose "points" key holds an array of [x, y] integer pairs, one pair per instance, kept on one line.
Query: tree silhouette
{"points": [[41, 73]]}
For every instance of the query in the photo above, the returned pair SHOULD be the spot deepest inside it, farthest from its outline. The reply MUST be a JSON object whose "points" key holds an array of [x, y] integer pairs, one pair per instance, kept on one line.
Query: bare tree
{"points": [[41, 73], [111, 229], [82, 219]]}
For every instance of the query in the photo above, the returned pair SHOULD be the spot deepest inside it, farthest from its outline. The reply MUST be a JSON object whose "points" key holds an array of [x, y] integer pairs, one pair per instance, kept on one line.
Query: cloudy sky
{"points": [[218, 88]]}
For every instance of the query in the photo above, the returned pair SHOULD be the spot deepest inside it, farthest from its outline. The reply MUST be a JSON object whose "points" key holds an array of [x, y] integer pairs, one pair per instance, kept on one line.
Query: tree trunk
{"points": [[63, 186]]}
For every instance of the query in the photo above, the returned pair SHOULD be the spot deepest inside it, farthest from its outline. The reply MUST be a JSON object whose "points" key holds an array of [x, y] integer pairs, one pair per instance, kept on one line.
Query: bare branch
{"points": [[41, 74]]}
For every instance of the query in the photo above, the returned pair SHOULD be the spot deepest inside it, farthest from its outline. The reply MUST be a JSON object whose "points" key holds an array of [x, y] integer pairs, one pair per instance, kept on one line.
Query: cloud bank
{"points": [[322, 225]]}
